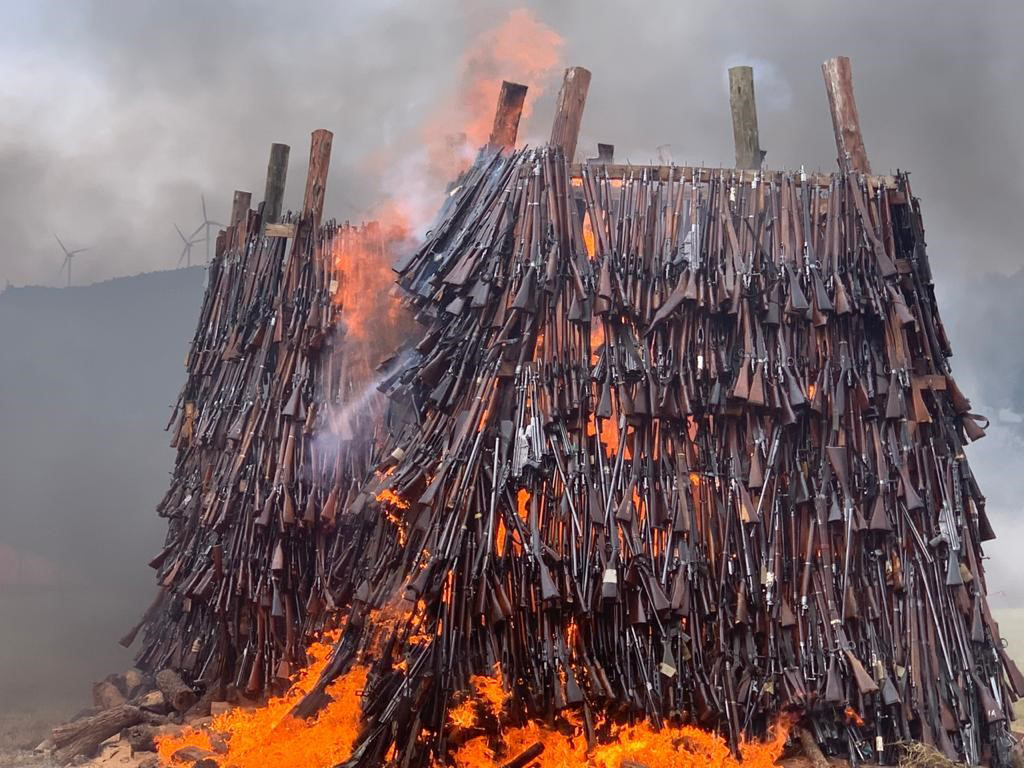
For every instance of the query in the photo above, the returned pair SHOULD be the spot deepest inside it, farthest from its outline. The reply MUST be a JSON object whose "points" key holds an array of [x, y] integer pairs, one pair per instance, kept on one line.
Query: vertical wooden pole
{"points": [[316, 177], [240, 216], [506, 116], [277, 173], [744, 118], [240, 205], [569, 113], [845, 120]]}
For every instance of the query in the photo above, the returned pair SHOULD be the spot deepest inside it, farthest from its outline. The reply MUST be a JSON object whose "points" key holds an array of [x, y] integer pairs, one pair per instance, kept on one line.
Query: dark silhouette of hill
{"points": [[87, 375]]}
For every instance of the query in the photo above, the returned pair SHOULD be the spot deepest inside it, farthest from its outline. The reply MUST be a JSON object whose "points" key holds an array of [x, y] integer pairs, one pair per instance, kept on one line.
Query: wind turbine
{"points": [[207, 223], [186, 252], [68, 257]]}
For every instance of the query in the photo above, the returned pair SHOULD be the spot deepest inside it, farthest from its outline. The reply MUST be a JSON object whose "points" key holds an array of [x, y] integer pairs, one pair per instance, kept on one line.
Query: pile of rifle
{"points": [[267, 456], [681, 448]]}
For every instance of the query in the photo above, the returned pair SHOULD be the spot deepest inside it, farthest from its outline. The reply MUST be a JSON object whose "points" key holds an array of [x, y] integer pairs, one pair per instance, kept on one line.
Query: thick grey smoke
{"points": [[118, 115]]}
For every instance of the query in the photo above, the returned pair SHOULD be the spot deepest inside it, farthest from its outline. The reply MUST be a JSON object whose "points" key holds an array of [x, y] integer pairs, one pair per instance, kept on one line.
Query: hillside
{"points": [[87, 374]]}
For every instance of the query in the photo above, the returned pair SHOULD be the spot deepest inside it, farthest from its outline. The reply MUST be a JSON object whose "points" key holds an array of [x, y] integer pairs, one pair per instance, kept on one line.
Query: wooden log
{"points": [[277, 173], [82, 714], [107, 695], [84, 736], [744, 118], [810, 747], [192, 755], [133, 682], [240, 206], [178, 694], [507, 115], [142, 737], [845, 120], [316, 176], [239, 217], [153, 701], [572, 98]]}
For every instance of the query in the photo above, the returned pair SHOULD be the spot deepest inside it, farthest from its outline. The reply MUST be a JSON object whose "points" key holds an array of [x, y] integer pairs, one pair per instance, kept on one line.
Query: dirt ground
{"points": [[19, 733]]}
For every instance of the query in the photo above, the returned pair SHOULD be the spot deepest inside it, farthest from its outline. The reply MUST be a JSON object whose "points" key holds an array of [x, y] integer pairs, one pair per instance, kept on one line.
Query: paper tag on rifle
{"points": [[667, 669], [610, 576], [333, 287]]}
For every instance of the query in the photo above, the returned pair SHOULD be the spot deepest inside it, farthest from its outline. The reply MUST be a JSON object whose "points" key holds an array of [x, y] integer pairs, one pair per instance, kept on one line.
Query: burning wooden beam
{"points": [[572, 98], [749, 154], [845, 120], [506, 117]]}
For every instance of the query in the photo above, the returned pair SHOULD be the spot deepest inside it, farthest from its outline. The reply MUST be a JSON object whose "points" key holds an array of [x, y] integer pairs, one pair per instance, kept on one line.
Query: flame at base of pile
{"points": [[269, 735], [478, 733], [673, 746]]}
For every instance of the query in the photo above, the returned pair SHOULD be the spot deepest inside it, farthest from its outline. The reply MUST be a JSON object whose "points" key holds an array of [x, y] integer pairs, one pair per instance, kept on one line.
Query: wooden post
{"points": [[239, 217], [845, 121], [240, 206], [506, 117], [316, 176], [744, 118], [277, 172], [569, 113]]}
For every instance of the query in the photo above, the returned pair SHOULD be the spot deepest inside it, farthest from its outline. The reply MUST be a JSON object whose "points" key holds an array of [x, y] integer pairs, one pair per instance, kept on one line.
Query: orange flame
{"points": [[391, 502], [589, 241], [683, 746], [521, 48], [387, 496], [271, 736], [522, 502], [362, 262]]}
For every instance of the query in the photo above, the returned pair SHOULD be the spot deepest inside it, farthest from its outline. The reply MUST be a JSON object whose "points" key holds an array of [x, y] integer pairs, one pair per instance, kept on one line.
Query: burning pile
{"points": [[676, 460], [688, 450]]}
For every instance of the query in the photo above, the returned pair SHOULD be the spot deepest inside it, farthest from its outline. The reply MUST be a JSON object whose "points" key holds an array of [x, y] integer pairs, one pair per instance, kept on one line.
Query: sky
{"points": [[118, 116]]}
